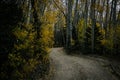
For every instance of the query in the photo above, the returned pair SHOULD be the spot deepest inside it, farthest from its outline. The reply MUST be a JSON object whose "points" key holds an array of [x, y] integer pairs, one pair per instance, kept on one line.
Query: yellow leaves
{"points": [[21, 46], [118, 30], [20, 34], [97, 24], [31, 36], [30, 65], [46, 40], [15, 59], [109, 43], [47, 35], [99, 8], [47, 31], [72, 42], [46, 58], [28, 26], [49, 17], [25, 36], [81, 30], [102, 31], [81, 25], [103, 42]]}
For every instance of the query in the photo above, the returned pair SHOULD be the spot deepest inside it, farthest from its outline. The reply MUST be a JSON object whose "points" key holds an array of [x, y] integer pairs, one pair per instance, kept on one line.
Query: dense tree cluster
{"points": [[26, 34], [91, 25]]}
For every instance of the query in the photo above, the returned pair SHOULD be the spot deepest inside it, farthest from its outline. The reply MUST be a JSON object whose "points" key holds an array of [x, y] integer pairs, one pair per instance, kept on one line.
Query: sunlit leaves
{"points": [[49, 17], [99, 8], [20, 34], [81, 30]]}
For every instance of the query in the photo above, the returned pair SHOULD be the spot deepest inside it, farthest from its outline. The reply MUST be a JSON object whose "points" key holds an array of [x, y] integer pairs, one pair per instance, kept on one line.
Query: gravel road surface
{"points": [[69, 67]]}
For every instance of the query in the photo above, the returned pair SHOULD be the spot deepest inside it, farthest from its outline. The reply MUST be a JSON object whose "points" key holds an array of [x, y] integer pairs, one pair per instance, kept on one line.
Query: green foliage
{"points": [[108, 42], [46, 35], [87, 39], [112, 42], [81, 31], [22, 60], [98, 39], [117, 40], [23, 50]]}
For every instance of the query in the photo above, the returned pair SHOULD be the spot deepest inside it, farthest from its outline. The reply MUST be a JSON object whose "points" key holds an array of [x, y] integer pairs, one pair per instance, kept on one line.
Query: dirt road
{"points": [[77, 68]]}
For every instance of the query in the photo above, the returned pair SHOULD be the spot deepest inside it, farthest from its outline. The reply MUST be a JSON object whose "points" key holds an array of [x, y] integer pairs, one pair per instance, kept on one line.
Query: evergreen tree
{"points": [[99, 36]]}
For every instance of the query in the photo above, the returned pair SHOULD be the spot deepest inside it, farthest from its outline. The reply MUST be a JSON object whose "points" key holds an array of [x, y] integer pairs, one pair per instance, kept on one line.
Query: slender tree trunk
{"points": [[29, 11], [114, 20], [75, 21], [93, 24], [106, 19], [69, 24], [111, 14], [86, 19], [101, 16]]}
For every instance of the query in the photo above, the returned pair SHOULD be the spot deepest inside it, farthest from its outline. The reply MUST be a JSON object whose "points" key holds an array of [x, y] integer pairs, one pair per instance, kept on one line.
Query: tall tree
{"points": [[93, 3], [69, 4]]}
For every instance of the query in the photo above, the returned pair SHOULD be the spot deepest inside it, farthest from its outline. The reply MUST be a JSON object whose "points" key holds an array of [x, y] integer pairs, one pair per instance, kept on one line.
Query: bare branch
{"points": [[59, 8]]}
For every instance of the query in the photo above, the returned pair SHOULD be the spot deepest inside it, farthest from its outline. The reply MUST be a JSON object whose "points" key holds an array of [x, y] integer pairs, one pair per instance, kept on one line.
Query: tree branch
{"points": [[59, 8]]}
